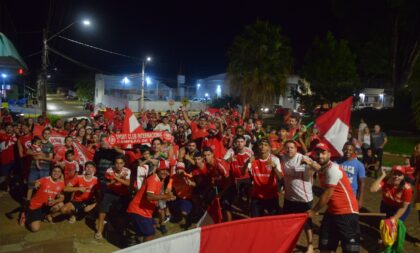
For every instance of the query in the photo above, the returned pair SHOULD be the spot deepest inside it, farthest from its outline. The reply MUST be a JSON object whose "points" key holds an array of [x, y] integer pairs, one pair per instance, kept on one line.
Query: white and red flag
{"points": [[334, 126], [213, 215], [131, 125], [271, 234]]}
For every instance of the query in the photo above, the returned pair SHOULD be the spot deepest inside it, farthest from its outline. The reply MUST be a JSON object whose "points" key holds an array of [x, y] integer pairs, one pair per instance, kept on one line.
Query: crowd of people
{"points": [[225, 153]]}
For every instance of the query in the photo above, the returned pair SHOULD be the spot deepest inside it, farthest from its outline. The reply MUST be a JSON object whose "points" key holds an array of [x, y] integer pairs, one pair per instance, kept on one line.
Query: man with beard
{"points": [[341, 221]]}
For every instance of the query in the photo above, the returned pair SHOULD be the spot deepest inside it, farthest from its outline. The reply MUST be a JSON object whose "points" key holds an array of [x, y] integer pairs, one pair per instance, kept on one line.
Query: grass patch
{"points": [[401, 144], [390, 160]]}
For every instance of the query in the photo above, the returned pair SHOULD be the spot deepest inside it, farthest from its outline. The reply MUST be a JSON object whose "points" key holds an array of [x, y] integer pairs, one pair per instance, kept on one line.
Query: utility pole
{"points": [[43, 76], [142, 87]]}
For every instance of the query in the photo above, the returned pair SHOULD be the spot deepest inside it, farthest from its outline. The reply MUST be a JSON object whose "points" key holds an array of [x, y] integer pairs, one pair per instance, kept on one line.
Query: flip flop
{"points": [[98, 236]]}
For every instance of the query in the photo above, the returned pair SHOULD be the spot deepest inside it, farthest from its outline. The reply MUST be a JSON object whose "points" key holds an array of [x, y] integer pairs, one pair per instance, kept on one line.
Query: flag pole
{"points": [[306, 127]]}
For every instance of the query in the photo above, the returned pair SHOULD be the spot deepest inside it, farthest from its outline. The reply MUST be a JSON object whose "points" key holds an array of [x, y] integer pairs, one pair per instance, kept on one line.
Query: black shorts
{"points": [[112, 199], [336, 228], [227, 198], [79, 207], [37, 214], [260, 206], [298, 207]]}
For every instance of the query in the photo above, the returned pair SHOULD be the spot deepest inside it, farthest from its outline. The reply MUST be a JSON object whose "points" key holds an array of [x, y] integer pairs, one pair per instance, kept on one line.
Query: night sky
{"points": [[187, 36]]}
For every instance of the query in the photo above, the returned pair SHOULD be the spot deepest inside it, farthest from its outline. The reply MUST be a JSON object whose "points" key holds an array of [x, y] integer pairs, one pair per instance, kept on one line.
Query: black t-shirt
{"points": [[104, 159]]}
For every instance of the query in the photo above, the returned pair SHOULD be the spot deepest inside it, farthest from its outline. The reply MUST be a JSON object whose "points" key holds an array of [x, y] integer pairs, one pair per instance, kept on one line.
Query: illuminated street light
{"points": [[148, 80], [4, 75], [125, 80], [145, 61], [86, 22]]}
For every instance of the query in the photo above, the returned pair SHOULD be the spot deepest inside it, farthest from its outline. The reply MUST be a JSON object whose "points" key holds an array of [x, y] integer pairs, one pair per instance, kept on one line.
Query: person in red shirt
{"points": [[47, 199], [8, 141], [60, 153], [116, 191], [220, 182], [215, 140], [396, 193], [198, 131], [145, 202], [341, 221], [70, 167], [85, 188], [183, 187], [23, 144], [265, 172]]}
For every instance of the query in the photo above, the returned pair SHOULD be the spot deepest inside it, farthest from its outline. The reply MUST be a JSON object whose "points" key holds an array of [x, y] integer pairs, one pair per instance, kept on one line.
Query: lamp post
{"points": [[145, 61], [42, 81]]}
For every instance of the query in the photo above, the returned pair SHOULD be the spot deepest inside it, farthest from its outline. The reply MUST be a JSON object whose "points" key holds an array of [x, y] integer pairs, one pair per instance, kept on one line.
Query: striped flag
{"points": [[131, 124], [272, 234]]}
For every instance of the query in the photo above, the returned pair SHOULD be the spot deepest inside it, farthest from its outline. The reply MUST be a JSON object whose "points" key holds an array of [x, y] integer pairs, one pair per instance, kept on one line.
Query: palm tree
{"points": [[259, 63]]}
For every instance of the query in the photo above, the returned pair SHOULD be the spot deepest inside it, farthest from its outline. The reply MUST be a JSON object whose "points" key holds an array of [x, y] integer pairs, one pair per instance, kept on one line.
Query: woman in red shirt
{"points": [[396, 193]]}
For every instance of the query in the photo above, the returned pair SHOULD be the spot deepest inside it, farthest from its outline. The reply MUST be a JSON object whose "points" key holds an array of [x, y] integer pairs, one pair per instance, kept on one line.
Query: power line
{"points": [[100, 49], [76, 61]]}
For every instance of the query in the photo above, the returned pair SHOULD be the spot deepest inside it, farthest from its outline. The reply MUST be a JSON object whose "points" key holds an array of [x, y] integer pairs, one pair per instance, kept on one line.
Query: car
{"points": [[280, 110]]}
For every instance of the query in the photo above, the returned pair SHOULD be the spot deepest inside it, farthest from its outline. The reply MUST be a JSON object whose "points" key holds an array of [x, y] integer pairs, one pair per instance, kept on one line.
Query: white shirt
{"points": [[163, 127], [142, 172], [298, 179]]}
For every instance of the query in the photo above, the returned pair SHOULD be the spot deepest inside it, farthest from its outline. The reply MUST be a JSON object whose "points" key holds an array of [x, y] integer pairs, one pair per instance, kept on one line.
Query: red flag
{"points": [[334, 126], [131, 124], [213, 110], [271, 234], [109, 114], [213, 215]]}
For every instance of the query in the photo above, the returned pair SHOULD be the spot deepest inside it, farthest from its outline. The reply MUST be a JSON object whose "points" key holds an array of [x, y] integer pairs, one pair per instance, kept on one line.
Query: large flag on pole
{"points": [[213, 215], [272, 234], [131, 125], [334, 126]]}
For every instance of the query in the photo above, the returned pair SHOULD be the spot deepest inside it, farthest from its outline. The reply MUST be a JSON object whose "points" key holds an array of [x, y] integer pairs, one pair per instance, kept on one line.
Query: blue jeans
{"points": [[36, 174]]}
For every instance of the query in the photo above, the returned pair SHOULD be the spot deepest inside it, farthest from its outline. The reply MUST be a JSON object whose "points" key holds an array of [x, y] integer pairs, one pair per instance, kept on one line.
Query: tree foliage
{"points": [[331, 69], [85, 89], [259, 63], [225, 102]]}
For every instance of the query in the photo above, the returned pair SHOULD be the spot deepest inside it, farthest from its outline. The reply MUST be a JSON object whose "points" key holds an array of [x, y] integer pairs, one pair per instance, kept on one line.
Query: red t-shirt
{"points": [[218, 173], [237, 165], [216, 144], [132, 158], [70, 170], [7, 148], [90, 185], [196, 132], [409, 172], [140, 204], [118, 187], [60, 154], [394, 197], [25, 141], [181, 189], [342, 201], [264, 179], [47, 189]]}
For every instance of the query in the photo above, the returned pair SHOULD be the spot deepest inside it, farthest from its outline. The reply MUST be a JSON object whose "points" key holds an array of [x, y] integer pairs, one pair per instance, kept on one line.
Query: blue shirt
{"points": [[355, 170]]}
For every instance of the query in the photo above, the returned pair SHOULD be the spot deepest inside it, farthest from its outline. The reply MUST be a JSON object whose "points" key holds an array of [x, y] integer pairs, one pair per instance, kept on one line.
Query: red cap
{"points": [[163, 165], [322, 146], [398, 168]]}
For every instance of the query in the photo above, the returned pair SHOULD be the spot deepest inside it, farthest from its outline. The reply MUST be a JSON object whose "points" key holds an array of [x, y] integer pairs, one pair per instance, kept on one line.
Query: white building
{"points": [[375, 98]]}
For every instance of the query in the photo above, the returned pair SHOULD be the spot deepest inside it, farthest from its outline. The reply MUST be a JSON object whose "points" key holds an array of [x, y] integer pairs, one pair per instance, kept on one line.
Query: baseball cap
{"points": [[398, 168], [322, 146]]}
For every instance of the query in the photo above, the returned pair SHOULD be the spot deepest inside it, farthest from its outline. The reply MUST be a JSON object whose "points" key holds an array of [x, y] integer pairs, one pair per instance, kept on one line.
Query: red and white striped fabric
{"points": [[277, 234], [334, 126], [131, 124]]}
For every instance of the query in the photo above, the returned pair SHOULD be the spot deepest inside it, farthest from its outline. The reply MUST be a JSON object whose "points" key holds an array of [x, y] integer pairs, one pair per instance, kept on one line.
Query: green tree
{"points": [[85, 89], [259, 62], [330, 67], [225, 102]]}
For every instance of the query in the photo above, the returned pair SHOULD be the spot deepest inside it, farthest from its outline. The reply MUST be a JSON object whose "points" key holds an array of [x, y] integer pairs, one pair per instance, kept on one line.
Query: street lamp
{"points": [[145, 61], [42, 83]]}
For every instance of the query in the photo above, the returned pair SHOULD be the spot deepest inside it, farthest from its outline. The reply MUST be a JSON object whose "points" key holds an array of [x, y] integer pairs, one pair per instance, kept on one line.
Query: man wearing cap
{"points": [[183, 186], [145, 201], [265, 171], [341, 220], [215, 140]]}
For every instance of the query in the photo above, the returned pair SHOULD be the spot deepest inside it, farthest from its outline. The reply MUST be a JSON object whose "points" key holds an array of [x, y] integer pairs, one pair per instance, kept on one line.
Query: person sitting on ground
{"points": [[47, 199], [371, 163]]}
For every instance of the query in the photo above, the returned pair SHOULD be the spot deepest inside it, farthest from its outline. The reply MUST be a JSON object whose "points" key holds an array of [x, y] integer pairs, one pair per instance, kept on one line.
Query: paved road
{"points": [[59, 105]]}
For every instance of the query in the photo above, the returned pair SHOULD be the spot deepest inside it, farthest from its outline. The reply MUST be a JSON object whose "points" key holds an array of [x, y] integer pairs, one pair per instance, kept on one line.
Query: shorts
{"points": [[79, 207], [392, 210], [37, 214], [298, 207], [35, 174], [182, 205], [144, 226], [5, 169], [336, 228], [110, 199], [259, 205]]}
